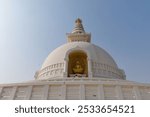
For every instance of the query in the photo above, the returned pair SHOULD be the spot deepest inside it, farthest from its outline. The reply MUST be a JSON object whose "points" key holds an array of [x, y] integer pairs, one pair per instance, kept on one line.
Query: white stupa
{"points": [[77, 70]]}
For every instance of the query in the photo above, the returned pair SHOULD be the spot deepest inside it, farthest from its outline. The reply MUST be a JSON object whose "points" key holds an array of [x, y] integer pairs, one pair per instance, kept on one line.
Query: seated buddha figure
{"points": [[78, 69]]}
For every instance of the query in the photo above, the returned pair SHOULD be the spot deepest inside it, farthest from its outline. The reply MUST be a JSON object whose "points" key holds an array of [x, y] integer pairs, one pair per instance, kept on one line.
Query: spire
{"points": [[78, 26], [78, 34]]}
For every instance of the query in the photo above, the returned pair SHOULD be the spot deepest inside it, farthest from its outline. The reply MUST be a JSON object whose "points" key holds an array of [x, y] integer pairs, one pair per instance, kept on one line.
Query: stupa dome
{"points": [[79, 58], [95, 53]]}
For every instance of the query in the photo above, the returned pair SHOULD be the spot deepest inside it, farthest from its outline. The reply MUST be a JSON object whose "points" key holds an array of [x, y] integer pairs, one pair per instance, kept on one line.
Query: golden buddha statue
{"points": [[78, 69]]}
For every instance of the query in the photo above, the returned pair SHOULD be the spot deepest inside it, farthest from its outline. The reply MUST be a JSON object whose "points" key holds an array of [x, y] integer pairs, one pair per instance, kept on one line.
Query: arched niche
{"points": [[77, 64]]}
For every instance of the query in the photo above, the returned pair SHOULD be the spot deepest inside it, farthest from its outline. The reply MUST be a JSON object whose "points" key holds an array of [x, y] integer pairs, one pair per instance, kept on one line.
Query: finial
{"points": [[78, 21], [78, 26], [78, 33]]}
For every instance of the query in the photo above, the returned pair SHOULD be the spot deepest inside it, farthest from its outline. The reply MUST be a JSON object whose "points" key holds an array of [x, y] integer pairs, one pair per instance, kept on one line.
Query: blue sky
{"points": [[31, 29]]}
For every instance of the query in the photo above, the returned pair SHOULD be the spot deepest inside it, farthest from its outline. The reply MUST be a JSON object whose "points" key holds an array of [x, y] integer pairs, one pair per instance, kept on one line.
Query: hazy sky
{"points": [[31, 29]]}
